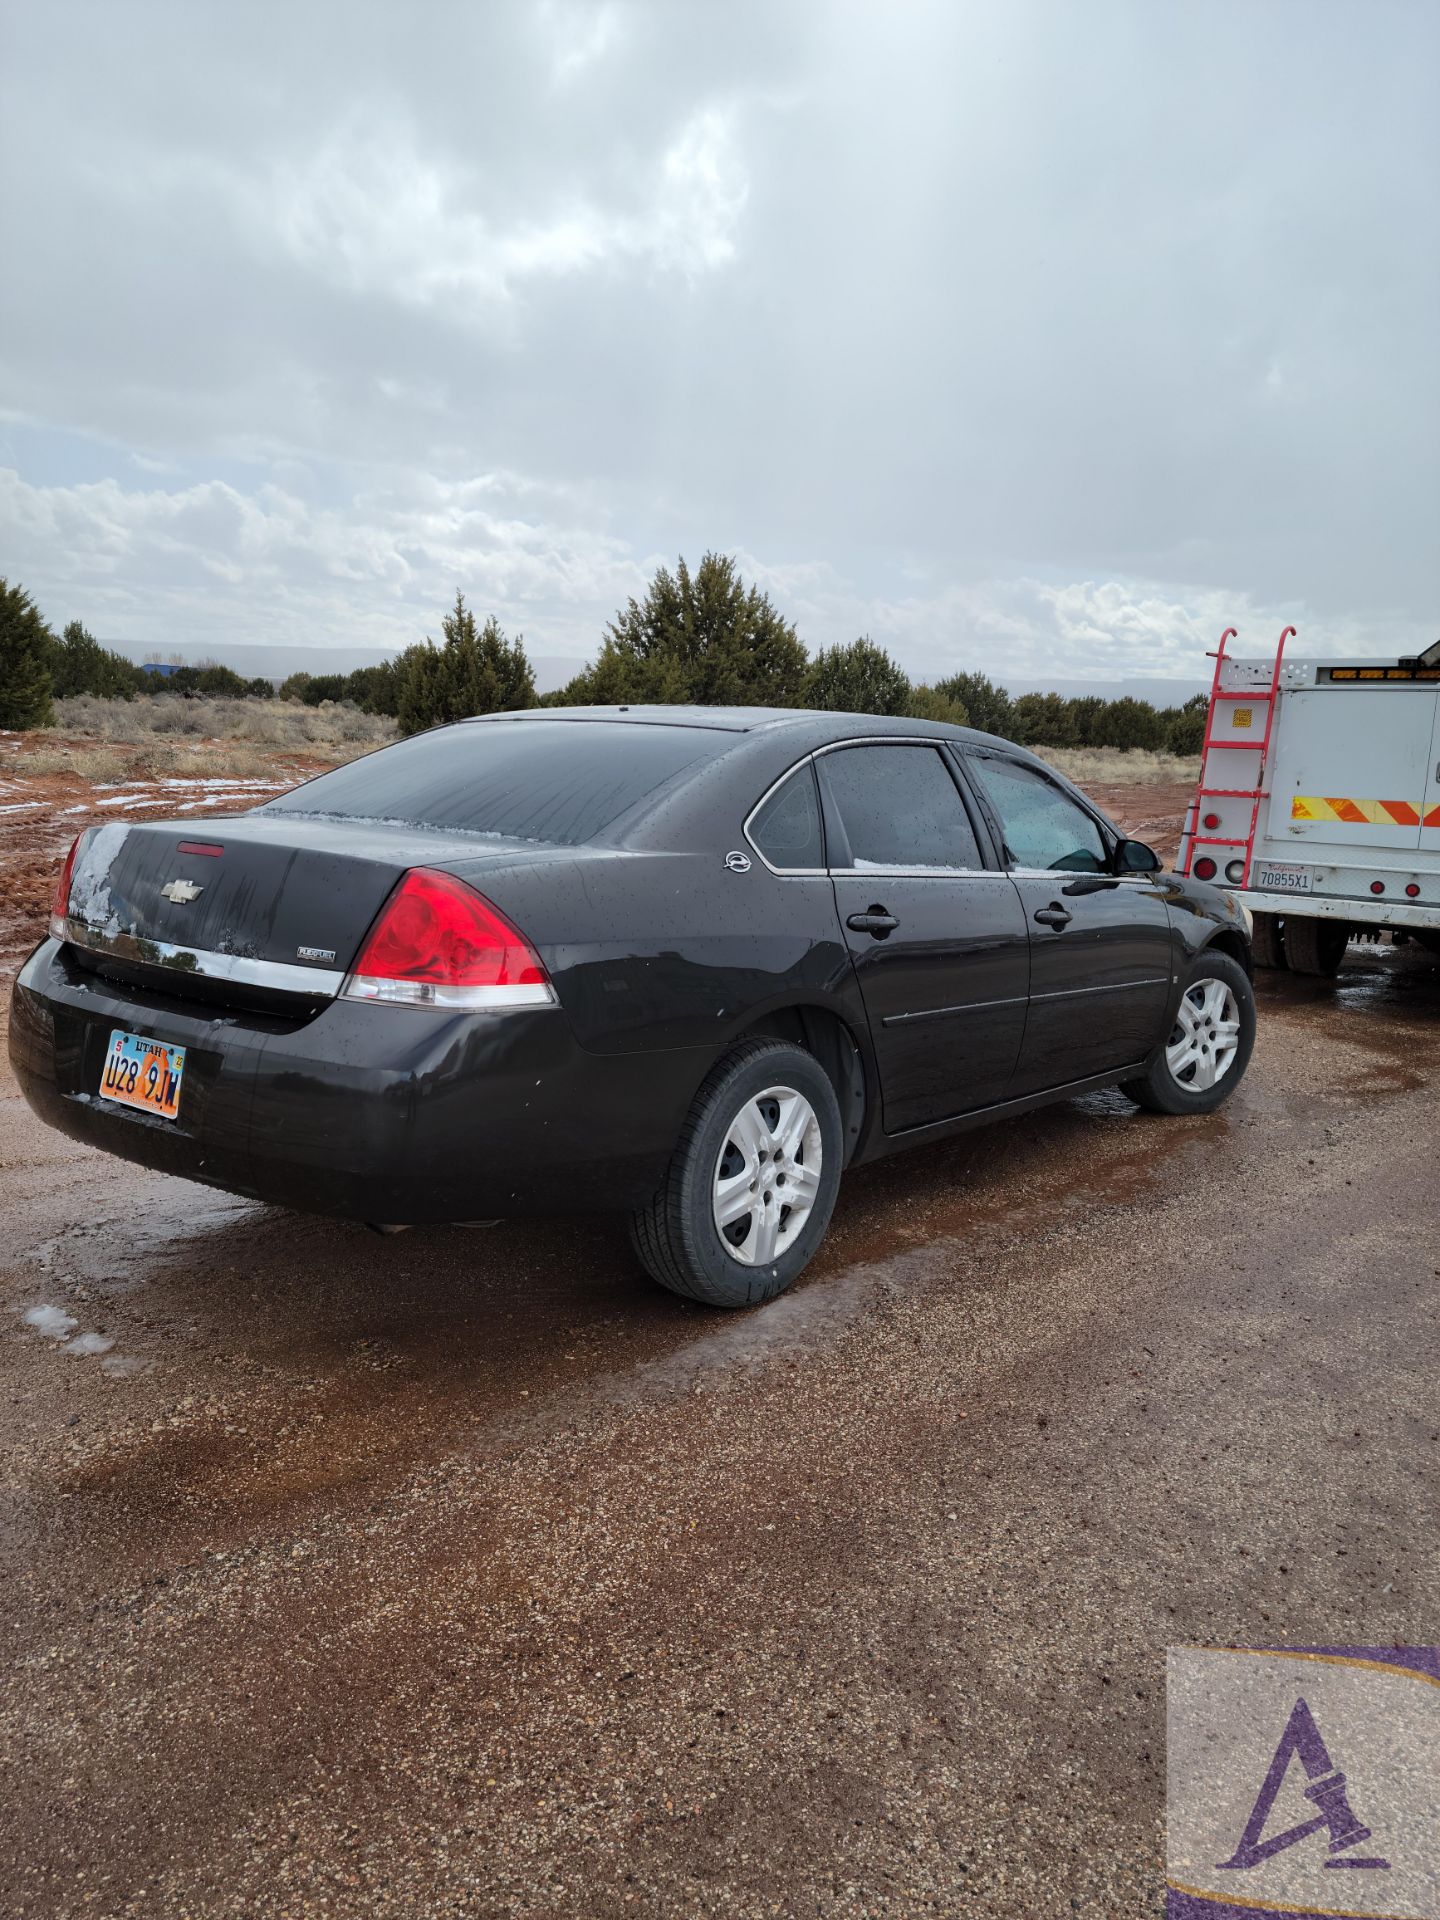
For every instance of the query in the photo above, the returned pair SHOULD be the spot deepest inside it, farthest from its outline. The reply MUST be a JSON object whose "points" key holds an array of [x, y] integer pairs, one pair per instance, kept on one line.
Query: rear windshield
{"points": [[560, 781]]}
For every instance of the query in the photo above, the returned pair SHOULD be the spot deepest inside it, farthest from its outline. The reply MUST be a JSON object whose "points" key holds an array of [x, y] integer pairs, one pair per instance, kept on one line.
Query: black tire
{"points": [[1159, 1090], [676, 1236], [1315, 946], [1267, 940]]}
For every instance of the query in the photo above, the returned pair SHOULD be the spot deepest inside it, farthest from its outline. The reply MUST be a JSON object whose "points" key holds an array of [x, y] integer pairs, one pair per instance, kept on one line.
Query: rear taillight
{"points": [[438, 943], [1205, 869], [1377, 886], [1235, 872], [60, 905], [1412, 891]]}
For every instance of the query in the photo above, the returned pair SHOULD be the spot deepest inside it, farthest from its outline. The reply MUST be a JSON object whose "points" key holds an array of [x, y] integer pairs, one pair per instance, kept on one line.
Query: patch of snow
{"points": [[82, 808], [52, 1321], [218, 782], [21, 806], [125, 1366], [88, 1343]]}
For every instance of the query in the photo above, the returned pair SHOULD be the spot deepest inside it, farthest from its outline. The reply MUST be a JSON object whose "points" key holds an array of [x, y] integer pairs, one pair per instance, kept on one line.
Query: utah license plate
{"points": [[143, 1073], [1281, 879]]}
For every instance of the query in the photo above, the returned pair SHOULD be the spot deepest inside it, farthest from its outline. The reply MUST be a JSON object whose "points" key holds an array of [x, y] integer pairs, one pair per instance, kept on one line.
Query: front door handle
{"points": [[1054, 916], [874, 920]]}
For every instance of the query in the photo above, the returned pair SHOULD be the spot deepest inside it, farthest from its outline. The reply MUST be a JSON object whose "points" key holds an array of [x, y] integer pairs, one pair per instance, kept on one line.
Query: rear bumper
{"points": [[395, 1114], [1370, 911]]}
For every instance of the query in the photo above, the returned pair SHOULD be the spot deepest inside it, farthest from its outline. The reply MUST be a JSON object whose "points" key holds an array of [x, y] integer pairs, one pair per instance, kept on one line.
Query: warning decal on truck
{"points": [[1377, 813]]}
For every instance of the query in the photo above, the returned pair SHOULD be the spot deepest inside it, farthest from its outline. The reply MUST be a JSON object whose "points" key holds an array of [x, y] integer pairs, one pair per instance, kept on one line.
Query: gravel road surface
{"points": [[462, 1572]]}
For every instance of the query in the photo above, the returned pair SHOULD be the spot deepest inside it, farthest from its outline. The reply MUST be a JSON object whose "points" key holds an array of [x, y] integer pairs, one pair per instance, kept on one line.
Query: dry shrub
{"points": [[326, 731], [1114, 766]]}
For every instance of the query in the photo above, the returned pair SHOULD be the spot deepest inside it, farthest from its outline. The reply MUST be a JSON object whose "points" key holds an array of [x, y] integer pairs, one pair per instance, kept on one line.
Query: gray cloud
{"points": [[1042, 338]]}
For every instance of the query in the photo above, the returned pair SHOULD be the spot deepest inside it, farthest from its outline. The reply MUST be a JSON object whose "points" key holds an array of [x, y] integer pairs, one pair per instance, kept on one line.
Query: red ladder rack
{"points": [[1254, 794]]}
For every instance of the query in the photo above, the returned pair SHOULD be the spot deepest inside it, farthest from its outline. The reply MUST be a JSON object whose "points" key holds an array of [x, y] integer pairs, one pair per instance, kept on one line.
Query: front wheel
{"points": [[747, 1197], [1208, 1048]]}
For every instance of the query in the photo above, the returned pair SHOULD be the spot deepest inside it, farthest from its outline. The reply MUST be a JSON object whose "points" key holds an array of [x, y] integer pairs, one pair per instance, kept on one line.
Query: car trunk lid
{"points": [[250, 911]]}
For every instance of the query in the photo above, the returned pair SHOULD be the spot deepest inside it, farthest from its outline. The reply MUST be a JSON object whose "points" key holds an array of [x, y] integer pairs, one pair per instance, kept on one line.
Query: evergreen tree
{"points": [[704, 638], [324, 686], [475, 670], [1047, 719], [27, 648], [1130, 723], [217, 680], [1185, 726], [928, 703], [858, 678], [990, 707], [80, 664], [1085, 717]]}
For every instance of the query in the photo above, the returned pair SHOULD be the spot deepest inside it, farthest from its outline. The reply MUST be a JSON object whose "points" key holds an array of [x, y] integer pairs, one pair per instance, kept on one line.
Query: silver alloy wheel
{"points": [[1206, 1036], [767, 1174]]}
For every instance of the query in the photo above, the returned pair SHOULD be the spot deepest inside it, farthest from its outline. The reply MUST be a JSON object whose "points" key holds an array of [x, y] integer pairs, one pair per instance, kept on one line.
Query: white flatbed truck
{"points": [[1319, 801]]}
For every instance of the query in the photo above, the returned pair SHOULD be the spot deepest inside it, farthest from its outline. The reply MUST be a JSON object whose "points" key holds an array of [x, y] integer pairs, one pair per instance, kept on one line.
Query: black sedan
{"points": [[684, 963]]}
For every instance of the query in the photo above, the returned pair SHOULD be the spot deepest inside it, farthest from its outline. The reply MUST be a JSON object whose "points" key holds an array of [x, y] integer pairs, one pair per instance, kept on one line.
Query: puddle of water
{"points": [[53, 1322], [167, 1224]]}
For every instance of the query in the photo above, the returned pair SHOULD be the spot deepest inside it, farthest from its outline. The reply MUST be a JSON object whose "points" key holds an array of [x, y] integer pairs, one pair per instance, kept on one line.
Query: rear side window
{"points": [[1043, 827], [786, 829], [899, 808], [558, 781]]}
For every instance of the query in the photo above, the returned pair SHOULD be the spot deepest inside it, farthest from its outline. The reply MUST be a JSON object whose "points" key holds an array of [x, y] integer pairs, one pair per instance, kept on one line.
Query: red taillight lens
{"points": [[438, 943], [1205, 869], [1212, 820], [1377, 886], [60, 905], [1413, 891]]}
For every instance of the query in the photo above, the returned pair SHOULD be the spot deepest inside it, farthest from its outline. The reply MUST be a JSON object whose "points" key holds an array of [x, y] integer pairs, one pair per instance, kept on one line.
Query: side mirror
{"points": [[1133, 856]]}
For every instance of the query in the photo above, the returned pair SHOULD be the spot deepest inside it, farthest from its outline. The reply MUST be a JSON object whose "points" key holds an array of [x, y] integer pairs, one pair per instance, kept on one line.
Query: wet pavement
{"points": [[463, 1572]]}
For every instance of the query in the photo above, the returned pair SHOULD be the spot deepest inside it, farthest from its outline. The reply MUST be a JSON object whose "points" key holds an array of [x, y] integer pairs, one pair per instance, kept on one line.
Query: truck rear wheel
{"points": [[1267, 942], [1315, 946]]}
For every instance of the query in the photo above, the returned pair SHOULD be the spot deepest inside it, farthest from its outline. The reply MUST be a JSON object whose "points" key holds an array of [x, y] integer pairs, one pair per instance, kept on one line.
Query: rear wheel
{"points": [[1315, 946], [1267, 941], [748, 1195], [1209, 1046]]}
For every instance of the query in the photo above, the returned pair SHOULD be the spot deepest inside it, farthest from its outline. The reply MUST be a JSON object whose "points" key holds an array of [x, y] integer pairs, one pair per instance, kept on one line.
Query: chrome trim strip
{"points": [[161, 956], [835, 746], [1119, 986], [785, 873], [939, 1013], [377, 991]]}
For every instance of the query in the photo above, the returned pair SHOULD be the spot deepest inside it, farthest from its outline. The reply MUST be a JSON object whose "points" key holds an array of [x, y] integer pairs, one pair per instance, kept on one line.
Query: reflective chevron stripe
{"points": [[1360, 813]]}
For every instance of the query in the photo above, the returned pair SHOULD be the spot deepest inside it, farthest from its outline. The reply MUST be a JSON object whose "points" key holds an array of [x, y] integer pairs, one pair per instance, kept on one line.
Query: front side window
{"points": [[1043, 827], [786, 829], [900, 807]]}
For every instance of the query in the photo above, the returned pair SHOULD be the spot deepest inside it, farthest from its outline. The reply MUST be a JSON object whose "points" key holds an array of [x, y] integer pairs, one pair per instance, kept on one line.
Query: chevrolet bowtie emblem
{"points": [[182, 892]]}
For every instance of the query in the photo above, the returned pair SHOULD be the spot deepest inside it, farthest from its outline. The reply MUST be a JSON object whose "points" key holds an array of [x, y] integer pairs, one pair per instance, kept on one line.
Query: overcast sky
{"points": [[1040, 338]]}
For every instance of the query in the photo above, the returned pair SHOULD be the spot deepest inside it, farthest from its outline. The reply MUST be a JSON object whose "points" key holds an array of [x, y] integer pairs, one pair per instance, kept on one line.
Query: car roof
{"points": [[814, 724]]}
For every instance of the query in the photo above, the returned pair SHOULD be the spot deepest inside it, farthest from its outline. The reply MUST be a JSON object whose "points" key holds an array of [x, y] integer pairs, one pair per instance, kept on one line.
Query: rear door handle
{"points": [[875, 920], [1054, 916]]}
